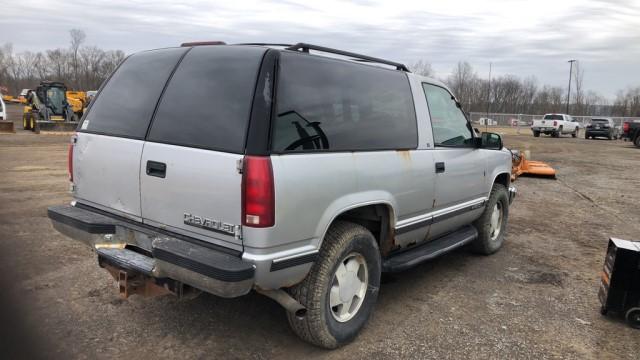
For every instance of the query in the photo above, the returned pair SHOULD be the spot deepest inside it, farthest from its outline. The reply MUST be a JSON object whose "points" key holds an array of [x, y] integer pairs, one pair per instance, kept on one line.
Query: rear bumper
{"points": [[156, 255], [600, 132], [544, 129]]}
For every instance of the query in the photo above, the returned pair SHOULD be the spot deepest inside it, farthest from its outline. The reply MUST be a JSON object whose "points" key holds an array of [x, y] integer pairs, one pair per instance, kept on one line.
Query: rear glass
{"points": [[601, 121], [126, 103], [553, 117], [207, 103], [332, 105]]}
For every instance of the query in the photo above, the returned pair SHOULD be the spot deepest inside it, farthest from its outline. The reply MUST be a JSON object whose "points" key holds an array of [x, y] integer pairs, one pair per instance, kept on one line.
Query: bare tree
{"points": [[421, 67], [77, 38]]}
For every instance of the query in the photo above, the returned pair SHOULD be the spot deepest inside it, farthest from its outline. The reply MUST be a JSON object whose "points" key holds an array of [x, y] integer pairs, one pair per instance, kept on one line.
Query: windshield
{"points": [[55, 100], [553, 117]]}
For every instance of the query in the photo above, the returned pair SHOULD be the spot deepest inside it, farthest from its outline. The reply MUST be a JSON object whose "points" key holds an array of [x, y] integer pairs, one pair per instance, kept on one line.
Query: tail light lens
{"points": [[555, 123], [258, 200], [625, 127]]}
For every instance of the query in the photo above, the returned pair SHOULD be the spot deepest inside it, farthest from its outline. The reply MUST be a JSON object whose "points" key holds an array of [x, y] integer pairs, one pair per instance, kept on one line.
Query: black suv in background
{"points": [[602, 127]]}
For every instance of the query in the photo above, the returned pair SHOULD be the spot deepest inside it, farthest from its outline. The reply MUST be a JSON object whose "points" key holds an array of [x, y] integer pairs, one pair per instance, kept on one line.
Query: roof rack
{"points": [[306, 47]]}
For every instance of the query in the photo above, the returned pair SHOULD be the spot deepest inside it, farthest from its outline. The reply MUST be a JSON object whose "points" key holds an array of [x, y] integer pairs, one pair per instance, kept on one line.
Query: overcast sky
{"points": [[520, 37]]}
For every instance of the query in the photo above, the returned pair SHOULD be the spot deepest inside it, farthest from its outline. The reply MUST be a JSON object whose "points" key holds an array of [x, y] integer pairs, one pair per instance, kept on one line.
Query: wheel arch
{"points": [[379, 217]]}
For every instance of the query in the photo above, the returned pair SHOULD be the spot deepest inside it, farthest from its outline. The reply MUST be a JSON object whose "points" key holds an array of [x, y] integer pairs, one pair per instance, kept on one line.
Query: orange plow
{"points": [[521, 166]]}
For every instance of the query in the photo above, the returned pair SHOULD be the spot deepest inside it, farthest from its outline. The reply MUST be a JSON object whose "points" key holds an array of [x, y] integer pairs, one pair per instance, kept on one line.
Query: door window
{"points": [[450, 126]]}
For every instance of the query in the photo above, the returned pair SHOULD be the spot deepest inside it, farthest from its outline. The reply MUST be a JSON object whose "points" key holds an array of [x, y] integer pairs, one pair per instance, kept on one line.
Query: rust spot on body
{"points": [[405, 155]]}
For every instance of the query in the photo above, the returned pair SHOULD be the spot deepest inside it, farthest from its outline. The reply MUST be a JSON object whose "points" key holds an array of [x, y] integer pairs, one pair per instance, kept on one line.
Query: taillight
{"points": [[625, 127], [555, 123], [258, 200], [70, 158]]}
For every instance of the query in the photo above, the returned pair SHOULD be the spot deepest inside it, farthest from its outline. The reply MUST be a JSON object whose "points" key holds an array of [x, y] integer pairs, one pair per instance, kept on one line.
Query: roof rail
{"points": [[265, 44], [359, 57]]}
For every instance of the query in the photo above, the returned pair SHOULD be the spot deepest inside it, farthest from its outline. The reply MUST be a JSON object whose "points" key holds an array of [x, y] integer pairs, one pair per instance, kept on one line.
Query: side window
{"points": [[327, 104], [450, 127], [126, 103]]}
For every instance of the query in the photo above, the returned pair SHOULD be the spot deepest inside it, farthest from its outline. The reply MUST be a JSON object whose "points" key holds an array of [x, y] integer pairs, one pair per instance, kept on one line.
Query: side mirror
{"points": [[491, 141]]}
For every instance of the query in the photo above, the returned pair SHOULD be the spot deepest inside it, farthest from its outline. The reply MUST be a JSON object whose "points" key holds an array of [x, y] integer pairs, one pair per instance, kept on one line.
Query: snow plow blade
{"points": [[55, 126], [521, 166]]}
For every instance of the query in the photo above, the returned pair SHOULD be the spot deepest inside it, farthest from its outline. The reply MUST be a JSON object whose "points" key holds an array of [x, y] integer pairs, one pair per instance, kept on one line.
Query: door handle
{"points": [[156, 169], [439, 167]]}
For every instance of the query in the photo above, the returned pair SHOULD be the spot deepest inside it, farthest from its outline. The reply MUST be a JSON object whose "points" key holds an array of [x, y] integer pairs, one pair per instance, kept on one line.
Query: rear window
{"points": [[553, 117], [332, 105], [126, 103], [208, 100], [600, 121]]}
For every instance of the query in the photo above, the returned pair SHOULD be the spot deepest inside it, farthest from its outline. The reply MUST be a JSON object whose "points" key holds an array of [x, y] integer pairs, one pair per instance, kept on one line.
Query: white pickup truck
{"points": [[555, 125]]}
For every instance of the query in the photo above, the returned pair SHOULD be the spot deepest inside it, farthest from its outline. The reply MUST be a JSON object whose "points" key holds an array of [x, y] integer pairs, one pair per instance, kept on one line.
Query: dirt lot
{"points": [[534, 299]]}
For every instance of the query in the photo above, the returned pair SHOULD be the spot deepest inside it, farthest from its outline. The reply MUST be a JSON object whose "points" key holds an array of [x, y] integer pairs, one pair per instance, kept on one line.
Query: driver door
{"points": [[460, 167]]}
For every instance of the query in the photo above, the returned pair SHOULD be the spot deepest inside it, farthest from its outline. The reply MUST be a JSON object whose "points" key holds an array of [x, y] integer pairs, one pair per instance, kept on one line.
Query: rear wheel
{"points": [[575, 133], [536, 134], [636, 142], [586, 135], [492, 224], [341, 289], [633, 317]]}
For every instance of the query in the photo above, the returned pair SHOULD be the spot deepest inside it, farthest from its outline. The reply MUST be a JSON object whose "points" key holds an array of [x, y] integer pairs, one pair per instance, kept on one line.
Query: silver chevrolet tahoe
{"points": [[298, 171]]}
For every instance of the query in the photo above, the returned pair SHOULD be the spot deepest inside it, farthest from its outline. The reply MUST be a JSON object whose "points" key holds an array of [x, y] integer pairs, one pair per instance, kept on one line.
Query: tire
{"points": [[25, 122], [343, 243], [558, 132], [536, 134], [586, 136], [633, 317], [636, 142], [575, 133], [488, 242]]}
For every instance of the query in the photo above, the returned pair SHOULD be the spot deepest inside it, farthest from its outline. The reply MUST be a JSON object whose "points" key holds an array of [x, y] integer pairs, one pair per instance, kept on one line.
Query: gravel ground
{"points": [[536, 298]]}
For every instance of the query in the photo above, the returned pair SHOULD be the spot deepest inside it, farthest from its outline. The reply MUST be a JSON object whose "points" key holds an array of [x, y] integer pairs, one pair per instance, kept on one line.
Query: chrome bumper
{"points": [[512, 194]]}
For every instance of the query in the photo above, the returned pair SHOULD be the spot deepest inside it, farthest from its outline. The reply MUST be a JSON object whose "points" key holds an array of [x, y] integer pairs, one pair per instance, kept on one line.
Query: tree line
{"points": [[79, 66], [83, 67], [513, 95]]}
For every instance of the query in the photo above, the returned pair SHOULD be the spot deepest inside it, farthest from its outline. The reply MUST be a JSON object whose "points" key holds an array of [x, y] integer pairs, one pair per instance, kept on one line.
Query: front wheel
{"points": [[492, 223], [536, 134], [636, 142], [341, 289]]}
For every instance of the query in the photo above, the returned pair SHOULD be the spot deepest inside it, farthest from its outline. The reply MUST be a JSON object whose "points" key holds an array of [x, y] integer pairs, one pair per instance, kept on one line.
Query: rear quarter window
{"points": [[126, 103], [208, 100], [333, 105]]}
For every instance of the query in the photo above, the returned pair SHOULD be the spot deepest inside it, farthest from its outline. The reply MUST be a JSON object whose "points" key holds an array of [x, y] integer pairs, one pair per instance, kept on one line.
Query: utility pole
{"points": [[569, 91], [486, 120]]}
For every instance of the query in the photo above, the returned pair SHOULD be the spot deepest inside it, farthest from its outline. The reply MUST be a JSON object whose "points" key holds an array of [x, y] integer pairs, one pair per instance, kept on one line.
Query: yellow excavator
{"points": [[48, 109], [78, 102]]}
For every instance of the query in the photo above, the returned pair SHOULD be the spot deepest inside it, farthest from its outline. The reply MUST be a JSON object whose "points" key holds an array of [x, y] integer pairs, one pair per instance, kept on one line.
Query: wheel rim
{"points": [[348, 287], [496, 221]]}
